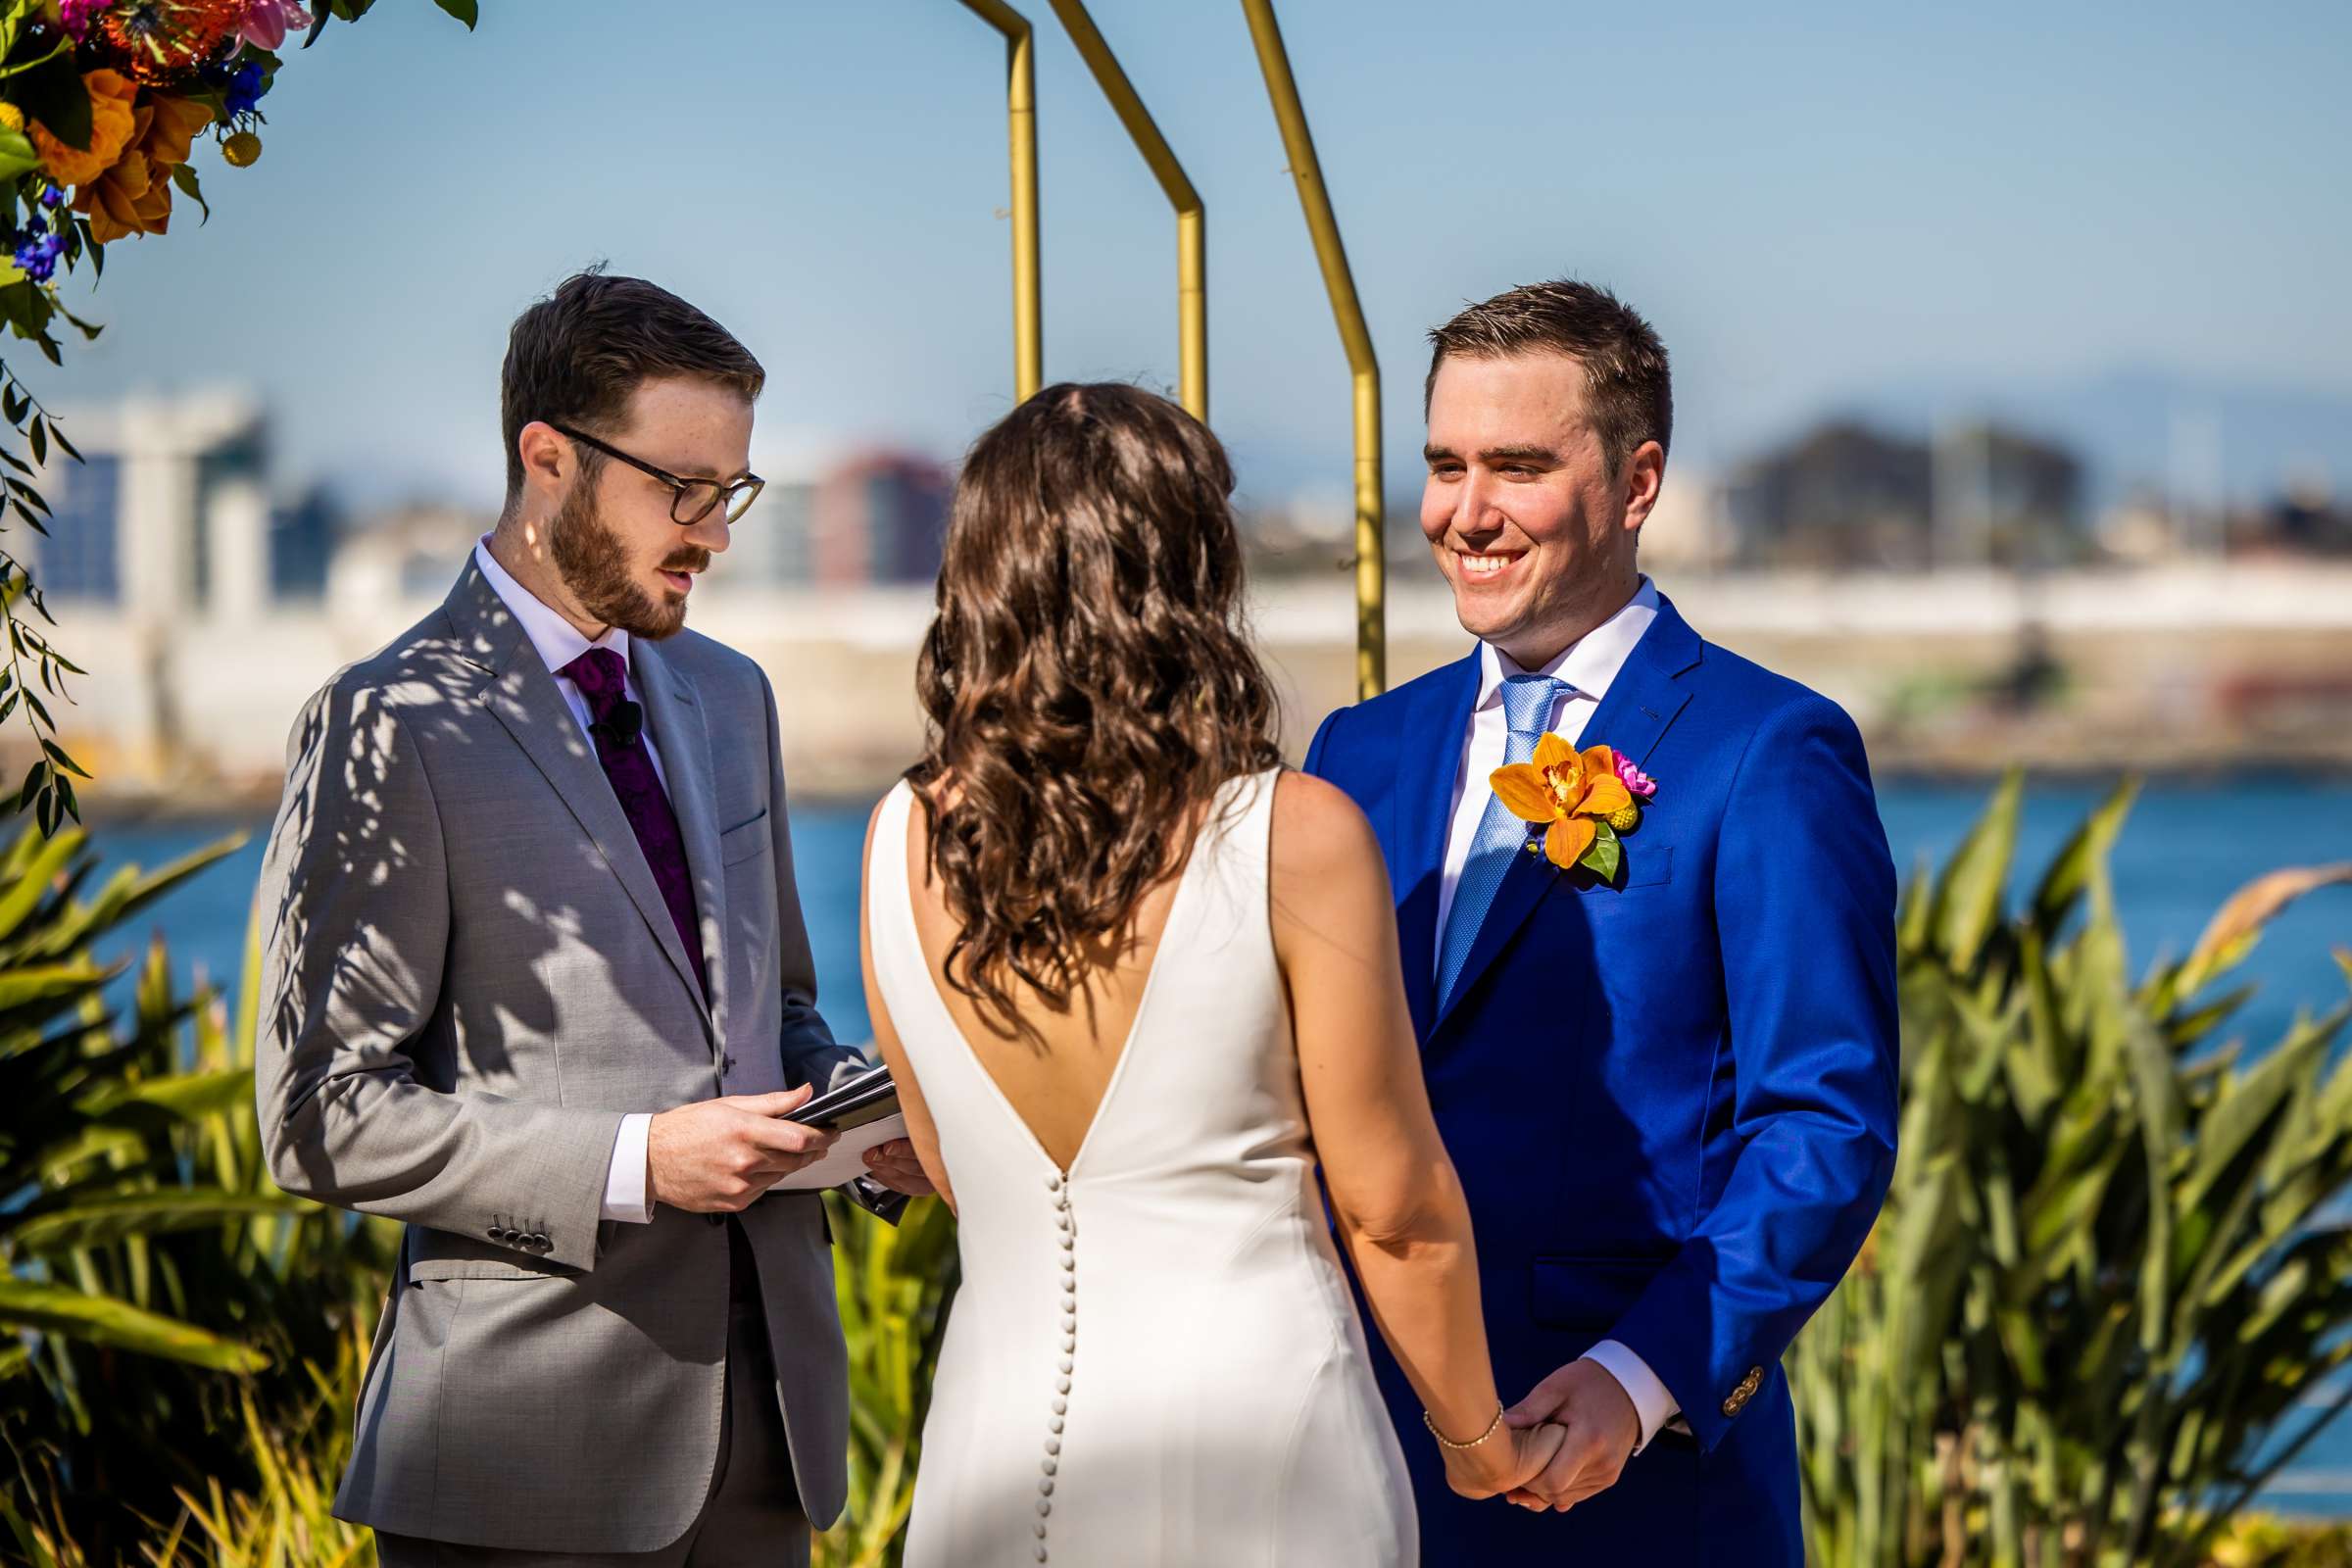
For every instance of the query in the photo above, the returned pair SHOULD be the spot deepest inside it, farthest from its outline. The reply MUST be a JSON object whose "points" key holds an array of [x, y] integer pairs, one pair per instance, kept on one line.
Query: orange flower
{"points": [[134, 197], [1566, 790], [112, 124]]}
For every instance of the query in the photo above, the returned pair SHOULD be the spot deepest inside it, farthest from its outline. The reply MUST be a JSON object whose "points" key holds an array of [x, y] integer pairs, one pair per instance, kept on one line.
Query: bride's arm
{"points": [[1401, 1209], [920, 1128]]}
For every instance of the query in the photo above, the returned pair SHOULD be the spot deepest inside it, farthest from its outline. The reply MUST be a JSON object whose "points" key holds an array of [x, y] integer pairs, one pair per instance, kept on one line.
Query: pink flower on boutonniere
{"points": [[1637, 784]]}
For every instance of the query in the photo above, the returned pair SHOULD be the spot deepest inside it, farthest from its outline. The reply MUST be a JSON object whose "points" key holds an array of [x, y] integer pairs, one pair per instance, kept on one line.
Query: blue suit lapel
{"points": [[1641, 701], [1423, 794]]}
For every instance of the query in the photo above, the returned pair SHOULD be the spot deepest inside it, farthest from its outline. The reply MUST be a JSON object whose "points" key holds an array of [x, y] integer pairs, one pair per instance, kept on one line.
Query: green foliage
{"points": [[167, 1300], [894, 1285], [2087, 1327], [2107, 1278]]}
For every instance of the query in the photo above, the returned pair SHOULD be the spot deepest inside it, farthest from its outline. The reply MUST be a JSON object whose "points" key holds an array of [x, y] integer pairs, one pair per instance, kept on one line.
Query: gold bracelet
{"points": [[1493, 1427]]}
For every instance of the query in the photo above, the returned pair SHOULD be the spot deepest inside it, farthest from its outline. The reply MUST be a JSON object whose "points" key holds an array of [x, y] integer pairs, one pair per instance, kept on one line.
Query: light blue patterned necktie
{"points": [[1527, 705]]}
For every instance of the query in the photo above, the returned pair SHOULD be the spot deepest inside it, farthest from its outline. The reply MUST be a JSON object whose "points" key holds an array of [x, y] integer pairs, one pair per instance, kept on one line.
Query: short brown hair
{"points": [[1628, 386], [578, 356]]}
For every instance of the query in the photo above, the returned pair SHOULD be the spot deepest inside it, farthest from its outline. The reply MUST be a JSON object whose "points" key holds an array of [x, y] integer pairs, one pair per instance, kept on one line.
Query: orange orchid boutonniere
{"points": [[1587, 800]]}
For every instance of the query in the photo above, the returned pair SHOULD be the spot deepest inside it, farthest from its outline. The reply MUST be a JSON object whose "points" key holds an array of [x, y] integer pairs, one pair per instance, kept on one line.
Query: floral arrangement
{"points": [[102, 106], [1586, 802]]}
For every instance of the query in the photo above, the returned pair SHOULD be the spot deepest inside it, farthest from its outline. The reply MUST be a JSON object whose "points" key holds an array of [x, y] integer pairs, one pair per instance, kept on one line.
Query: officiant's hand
{"points": [[894, 1164], [1602, 1428], [715, 1156]]}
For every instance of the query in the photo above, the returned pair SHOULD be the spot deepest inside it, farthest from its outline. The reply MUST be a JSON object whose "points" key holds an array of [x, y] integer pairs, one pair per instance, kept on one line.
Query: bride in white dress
{"points": [[1136, 984]]}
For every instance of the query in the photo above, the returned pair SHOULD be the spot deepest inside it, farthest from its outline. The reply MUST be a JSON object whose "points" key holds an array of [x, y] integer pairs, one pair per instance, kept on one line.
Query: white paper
{"points": [[846, 1161]]}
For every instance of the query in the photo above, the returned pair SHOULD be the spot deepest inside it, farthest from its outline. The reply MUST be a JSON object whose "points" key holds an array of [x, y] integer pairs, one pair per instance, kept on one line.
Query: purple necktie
{"points": [[618, 729]]}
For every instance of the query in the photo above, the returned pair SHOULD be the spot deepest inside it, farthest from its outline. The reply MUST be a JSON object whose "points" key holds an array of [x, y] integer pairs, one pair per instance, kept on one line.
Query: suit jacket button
{"points": [[716, 1219], [539, 1242]]}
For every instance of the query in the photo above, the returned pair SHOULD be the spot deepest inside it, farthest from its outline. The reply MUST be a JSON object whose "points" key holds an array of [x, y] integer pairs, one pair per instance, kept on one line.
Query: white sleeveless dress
{"points": [[1153, 1358]]}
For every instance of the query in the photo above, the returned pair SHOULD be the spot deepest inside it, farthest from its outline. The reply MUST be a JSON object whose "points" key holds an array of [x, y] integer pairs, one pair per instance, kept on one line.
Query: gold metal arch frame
{"points": [[1371, 554], [1020, 112], [1192, 220], [1192, 279]]}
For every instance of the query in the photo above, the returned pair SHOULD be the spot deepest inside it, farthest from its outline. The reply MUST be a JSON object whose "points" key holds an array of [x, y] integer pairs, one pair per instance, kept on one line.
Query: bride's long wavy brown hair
{"points": [[1088, 680]]}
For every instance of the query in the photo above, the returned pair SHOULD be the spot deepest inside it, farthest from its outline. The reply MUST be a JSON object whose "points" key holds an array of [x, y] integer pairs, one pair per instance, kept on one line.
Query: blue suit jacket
{"points": [[1672, 1101]]}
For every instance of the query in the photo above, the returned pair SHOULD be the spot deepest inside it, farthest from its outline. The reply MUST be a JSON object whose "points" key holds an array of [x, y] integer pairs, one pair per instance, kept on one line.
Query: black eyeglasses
{"points": [[690, 500]]}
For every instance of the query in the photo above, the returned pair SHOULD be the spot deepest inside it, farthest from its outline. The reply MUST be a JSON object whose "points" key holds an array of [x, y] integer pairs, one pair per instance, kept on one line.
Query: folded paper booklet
{"points": [[864, 1113]]}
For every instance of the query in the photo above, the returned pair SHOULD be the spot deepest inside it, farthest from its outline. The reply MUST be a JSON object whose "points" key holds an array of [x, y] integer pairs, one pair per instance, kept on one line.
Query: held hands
{"points": [[1504, 1462], [1600, 1429], [715, 1156]]}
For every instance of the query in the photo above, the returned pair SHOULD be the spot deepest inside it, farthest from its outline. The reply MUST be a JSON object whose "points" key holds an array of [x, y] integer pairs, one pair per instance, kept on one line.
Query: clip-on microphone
{"points": [[622, 727]]}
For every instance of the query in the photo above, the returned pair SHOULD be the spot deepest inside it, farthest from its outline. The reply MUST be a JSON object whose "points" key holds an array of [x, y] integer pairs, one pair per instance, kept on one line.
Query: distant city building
{"points": [[829, 522], [771, 547], [2005, 499], [1844, 496], [1312, 533], [1688, 529], [170, 513], [302, 545], [881, 517], [1841, 496], [406, 556], [2307, 520], [2139, 529]]}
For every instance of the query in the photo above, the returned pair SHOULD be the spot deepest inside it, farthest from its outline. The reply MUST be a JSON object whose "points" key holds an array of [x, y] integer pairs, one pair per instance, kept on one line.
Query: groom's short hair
{"points": [[580, 355], [1629, 391]]}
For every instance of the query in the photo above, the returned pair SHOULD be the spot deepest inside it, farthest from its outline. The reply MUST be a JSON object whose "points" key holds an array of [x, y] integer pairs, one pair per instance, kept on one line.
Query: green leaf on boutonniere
{"points": [[1605, 854]]}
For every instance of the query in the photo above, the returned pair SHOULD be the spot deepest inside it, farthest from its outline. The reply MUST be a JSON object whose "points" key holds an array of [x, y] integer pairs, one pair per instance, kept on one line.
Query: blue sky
{"points": [[1814, 203]]}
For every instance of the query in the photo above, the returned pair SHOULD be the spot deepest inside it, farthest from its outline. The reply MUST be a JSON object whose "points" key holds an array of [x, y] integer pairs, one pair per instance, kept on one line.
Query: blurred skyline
{"points": [[2110, 220]]}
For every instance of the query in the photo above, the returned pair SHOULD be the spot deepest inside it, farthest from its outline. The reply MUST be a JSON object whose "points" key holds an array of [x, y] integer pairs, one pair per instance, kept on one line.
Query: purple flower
{"points": [[245, 89], [38, 257], [1636, 783], [53, 197]]}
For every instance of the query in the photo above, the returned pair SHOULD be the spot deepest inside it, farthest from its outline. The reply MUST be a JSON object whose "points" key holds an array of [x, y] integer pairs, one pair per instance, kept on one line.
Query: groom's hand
{"points": [[715, 1156], [1602, 1429]]}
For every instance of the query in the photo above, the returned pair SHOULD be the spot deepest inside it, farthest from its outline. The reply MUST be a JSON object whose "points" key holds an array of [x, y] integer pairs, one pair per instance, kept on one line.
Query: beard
{"points": [[595, 566]]}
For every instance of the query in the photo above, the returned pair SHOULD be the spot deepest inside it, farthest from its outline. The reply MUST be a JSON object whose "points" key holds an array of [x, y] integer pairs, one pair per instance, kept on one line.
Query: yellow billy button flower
{"points": [[1573, 793], [241, 149]]}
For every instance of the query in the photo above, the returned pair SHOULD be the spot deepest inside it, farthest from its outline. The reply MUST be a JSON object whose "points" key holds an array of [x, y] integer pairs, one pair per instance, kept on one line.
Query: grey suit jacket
{"points": [[469, 977]]}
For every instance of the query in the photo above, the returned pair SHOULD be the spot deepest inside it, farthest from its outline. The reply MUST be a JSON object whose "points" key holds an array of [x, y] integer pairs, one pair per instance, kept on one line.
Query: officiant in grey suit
{"points": [[536, 983]]}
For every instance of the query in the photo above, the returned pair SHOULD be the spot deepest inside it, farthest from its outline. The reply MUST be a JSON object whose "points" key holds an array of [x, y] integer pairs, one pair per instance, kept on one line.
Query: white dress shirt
{"points": [[1589, 665], [558, 643]]}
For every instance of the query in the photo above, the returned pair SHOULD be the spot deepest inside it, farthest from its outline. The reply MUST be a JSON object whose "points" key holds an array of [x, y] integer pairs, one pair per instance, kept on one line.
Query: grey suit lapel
{"points": [[682, 733], [523, 696]]}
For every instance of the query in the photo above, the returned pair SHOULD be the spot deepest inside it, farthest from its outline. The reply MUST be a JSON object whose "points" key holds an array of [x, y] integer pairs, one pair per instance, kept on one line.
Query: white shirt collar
{"points": [[557, 641], [1590, 663]]}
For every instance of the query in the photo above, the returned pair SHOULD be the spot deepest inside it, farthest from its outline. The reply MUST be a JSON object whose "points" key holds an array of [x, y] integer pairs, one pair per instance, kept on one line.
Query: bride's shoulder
{"points": [[1322, 847], [874, 818]]}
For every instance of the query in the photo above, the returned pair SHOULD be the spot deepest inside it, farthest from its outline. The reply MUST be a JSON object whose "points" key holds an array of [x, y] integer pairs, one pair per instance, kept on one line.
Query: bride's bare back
{"points": [[1053, 1064]]}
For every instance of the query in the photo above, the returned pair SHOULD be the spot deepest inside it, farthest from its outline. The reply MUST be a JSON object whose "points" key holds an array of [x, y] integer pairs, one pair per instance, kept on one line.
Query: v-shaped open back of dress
{"points": [[1153, 1358]]}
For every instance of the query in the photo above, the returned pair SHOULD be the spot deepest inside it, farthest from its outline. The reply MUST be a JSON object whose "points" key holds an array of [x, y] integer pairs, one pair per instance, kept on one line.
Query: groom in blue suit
{"points": [[1670, 1091]]}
